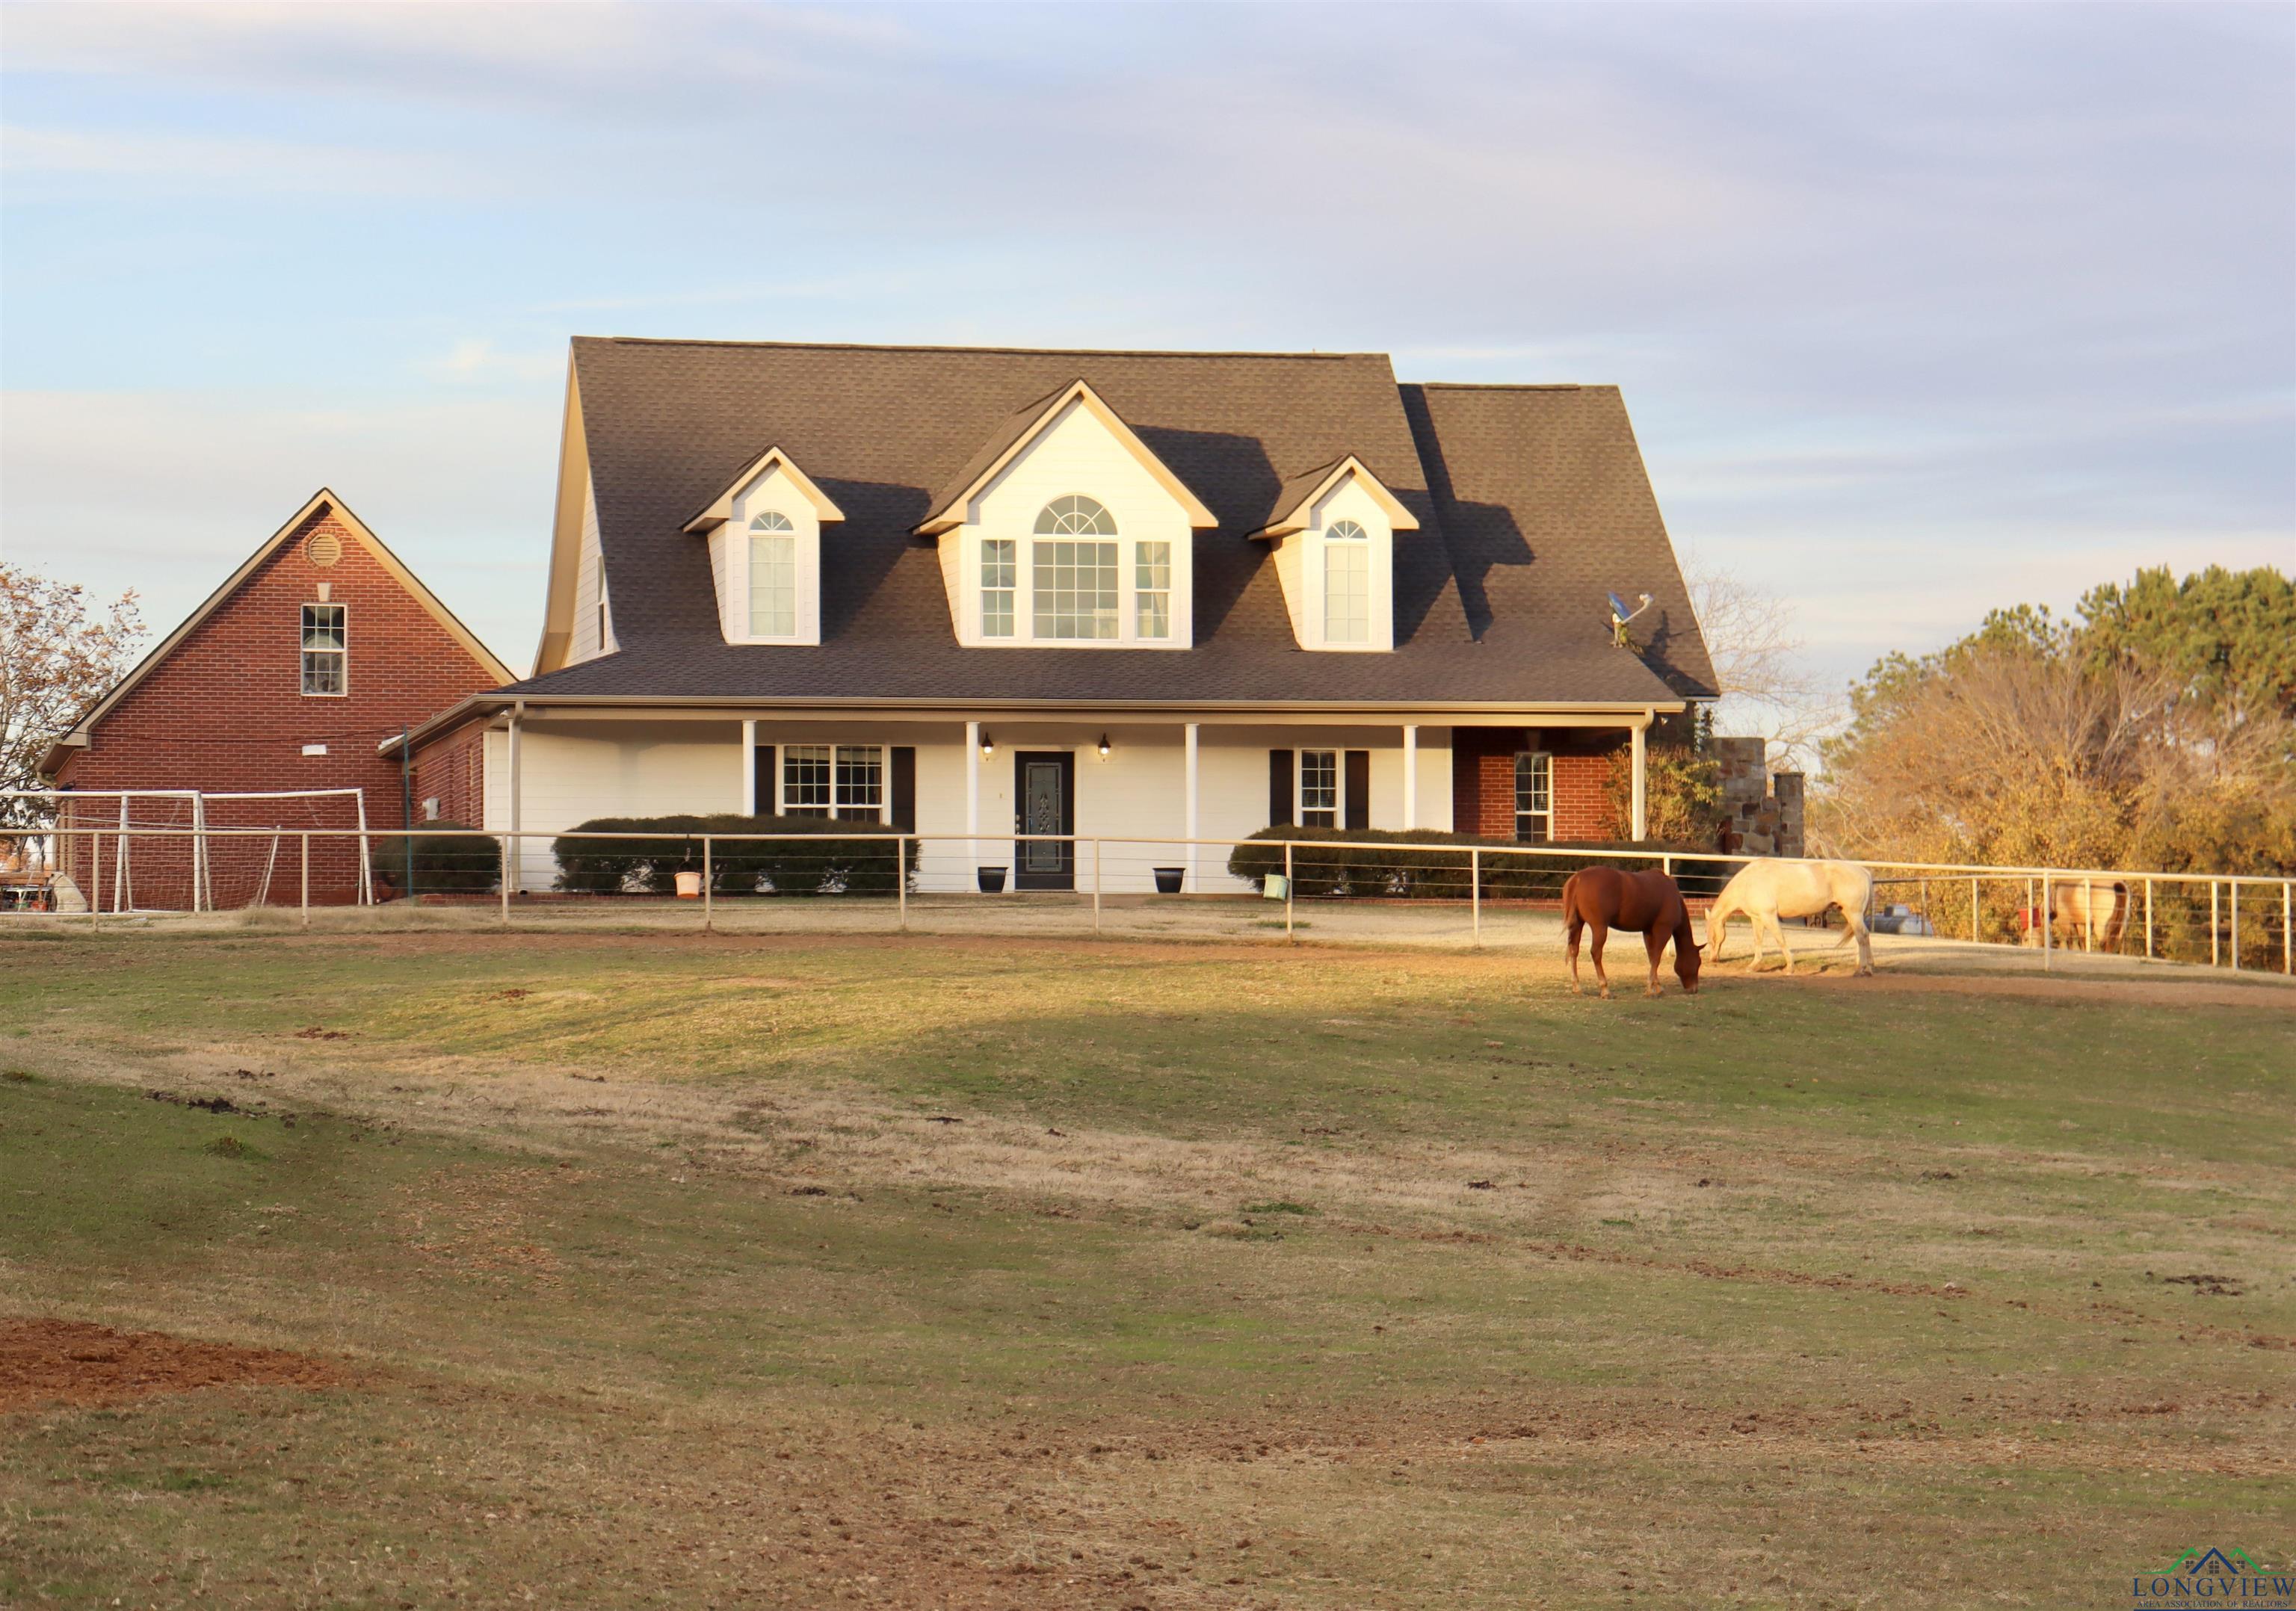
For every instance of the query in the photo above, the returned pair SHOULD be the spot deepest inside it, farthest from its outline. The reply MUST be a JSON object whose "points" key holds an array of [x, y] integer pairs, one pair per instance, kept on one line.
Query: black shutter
{"points": [[904, 788], [1281, 770], [1358, 788], [766, 778]]}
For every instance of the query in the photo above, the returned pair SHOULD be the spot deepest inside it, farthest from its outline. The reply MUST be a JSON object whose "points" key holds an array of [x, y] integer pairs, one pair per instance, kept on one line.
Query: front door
{"points": [[1043, 794]]}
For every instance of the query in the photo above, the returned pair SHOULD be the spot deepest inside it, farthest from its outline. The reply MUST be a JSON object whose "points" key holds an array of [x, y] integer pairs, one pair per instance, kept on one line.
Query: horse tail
{"points": [[1571, 918]]}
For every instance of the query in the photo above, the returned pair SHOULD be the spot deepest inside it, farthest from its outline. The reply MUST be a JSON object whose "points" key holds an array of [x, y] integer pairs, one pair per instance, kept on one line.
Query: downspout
{"points": [[407, 805]]}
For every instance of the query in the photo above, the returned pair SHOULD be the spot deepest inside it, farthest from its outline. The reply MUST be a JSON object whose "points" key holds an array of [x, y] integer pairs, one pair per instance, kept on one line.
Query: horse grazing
{"points": [[1765, 891], [1647, 903], [2090, 914]]}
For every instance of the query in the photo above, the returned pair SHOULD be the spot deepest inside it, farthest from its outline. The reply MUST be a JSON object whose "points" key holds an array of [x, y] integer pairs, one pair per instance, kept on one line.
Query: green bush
{"points": [[1423, 864], [797, 856], [454, 856]]}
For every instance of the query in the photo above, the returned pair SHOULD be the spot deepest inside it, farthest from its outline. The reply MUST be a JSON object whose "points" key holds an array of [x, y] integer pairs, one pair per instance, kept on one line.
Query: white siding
{"points": [[587, 643], [1135, 799]]}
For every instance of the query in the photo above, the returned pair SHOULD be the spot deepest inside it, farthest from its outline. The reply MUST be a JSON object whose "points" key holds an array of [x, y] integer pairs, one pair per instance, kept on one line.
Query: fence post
{"points": [[2216, 916], [1475, 887], [1288, 889], [901, 879], [503, 882], [2235, 884], [709, 888], [1666, 865], [306, 879], [95, 877], [1972, 912], [1095, 885], [2148, 919], [2287, 944], [2048, 935]]}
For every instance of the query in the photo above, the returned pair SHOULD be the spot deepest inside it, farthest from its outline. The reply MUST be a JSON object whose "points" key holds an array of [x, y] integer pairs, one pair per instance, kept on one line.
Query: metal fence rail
{"points": [[2231, 921]]}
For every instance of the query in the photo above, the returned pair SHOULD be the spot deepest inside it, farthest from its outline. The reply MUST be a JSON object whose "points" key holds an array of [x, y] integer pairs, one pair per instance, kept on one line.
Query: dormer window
{"points": [[1333, 530], [764, 552], [1029, 557], [1074, 582], [1347, 583], [772, 575]]}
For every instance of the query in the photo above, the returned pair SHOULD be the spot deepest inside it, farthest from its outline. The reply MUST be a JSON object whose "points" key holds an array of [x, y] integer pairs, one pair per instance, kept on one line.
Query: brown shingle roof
{"points": [[881, 428]]}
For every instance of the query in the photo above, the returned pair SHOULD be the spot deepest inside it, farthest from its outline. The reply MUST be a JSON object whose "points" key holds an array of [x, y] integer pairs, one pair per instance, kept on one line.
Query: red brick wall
{"points": [[226, 712], [1582, 807], [1482, 781], [452, 771]]}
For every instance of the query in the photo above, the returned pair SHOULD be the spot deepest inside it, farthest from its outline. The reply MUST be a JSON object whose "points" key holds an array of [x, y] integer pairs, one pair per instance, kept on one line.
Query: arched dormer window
{"points": [[1075, 515], [772, 575], [1073, 571], [1347, 583]]}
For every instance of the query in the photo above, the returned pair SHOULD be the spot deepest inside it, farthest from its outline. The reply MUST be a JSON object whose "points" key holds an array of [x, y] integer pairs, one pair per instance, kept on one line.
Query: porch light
{"points": [[987, 745], [1104, 746]]}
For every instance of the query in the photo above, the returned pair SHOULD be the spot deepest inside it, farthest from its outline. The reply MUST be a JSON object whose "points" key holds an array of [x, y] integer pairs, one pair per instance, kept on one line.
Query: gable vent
{"points": [[323, 549]]}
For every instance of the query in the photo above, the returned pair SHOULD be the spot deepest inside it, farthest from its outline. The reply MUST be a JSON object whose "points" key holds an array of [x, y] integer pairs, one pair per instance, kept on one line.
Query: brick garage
{"points": [[220, 707], [1482, 781]]}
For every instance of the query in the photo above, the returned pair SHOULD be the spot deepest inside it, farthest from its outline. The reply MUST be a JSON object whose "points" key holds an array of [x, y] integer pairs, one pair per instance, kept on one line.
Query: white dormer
{"points": [[1333, 535], [765, 553], [1067, 531]]}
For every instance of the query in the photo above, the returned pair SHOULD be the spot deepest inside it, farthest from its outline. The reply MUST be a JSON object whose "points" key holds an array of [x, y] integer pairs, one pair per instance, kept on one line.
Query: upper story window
{"points": [[326, 650], [772, 575], [1000, 575], [1347, 583], [1533, 797], [1075, 581], [1152, 590]]}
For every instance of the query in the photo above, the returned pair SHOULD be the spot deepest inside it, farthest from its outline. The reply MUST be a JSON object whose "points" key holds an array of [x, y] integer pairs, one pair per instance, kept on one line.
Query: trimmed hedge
{"points": [[454, 857], [1410, 865], [803, 856]]}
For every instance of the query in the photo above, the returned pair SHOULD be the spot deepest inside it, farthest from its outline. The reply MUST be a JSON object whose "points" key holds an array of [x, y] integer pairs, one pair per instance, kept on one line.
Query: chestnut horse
{"points": [[1647, 903]]}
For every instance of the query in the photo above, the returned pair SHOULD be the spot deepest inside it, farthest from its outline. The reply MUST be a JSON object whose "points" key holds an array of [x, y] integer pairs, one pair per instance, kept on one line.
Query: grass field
{"points": [[674, 1271]]}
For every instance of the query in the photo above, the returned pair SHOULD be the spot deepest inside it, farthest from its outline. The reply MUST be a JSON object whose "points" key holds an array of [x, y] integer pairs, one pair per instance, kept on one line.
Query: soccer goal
{"points": [[127, 850]]}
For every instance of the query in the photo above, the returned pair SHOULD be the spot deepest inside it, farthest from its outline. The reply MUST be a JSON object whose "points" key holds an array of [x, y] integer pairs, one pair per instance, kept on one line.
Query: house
{"points": [[285, 680], [977, 592]]}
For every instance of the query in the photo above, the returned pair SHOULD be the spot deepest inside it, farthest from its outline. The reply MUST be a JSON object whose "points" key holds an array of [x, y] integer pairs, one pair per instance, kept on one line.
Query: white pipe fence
{"points": [[2242, 922]]}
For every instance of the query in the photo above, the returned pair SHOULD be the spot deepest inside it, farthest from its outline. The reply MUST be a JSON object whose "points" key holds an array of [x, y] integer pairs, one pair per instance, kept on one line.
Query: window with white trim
{"points": [[1347, 583], [1319, 789], [1000, 576], [1152, 590], [1075, 585], [772, 575], [1533, 797], [841, 781], [326, 650]]}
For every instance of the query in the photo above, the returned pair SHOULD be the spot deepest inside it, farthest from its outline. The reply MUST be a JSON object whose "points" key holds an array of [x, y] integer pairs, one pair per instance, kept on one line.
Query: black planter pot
{"points": [[992, 880], [1168, 879]]}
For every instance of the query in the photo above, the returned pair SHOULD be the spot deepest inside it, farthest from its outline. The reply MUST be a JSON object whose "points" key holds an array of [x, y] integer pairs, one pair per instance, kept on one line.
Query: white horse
{"points": [[1764, 891]]}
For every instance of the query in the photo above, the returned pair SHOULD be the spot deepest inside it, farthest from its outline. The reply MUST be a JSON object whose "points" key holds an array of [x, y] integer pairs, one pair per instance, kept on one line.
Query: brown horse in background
{"points": [[1647, 903]]}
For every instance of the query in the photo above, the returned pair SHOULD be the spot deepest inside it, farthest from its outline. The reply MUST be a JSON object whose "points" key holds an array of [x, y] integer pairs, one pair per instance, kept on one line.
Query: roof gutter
{"points": [[494, 704]]}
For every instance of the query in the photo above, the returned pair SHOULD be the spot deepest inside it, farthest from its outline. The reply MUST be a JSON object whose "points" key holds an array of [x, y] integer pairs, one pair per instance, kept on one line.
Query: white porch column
{"points": [[1641, 811], [1193, 877], [517, 810], [971, 796], [749, 769], [1410, 776]]}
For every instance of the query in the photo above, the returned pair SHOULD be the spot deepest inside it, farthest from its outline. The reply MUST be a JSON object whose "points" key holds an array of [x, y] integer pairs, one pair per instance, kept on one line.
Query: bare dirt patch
{"points": [[47, 1362]]}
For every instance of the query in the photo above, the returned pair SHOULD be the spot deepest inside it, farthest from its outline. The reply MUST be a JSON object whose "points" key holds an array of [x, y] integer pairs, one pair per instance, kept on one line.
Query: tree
{"points": [[1765, 687], [56, 659], [2153, 732]]}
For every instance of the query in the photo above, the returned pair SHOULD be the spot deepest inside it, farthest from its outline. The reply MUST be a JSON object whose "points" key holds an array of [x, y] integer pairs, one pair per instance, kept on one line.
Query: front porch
{"points": [[968, 783]]}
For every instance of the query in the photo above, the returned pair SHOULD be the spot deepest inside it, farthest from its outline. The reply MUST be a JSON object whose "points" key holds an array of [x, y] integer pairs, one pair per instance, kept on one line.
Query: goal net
{"points": [[188, 850]]}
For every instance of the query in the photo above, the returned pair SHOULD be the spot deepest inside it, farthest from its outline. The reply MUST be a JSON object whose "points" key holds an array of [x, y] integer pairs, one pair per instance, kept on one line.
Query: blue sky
{"points": [[1918, 309]]}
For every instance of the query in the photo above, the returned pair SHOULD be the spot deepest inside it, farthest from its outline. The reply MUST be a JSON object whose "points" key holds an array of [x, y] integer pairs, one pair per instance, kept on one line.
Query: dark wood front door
{"points": [[1044, 801]]}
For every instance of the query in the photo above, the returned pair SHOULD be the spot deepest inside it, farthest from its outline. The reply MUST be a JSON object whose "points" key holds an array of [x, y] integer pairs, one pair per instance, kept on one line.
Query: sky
{"points": [[1918, 309]]}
